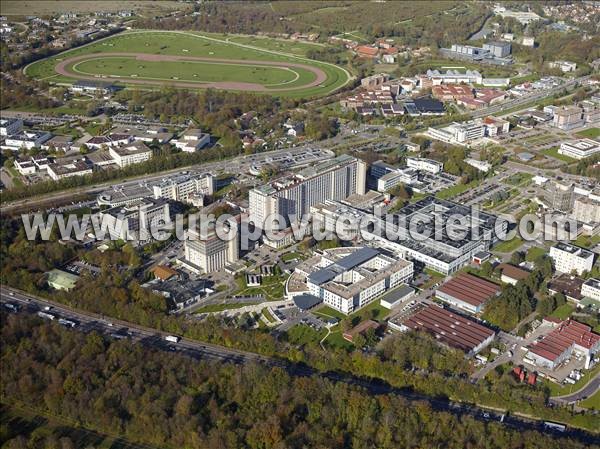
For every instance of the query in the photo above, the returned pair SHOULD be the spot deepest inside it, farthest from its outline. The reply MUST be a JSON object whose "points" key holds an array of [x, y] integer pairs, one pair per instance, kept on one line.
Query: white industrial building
{"points": [[26, 139]]}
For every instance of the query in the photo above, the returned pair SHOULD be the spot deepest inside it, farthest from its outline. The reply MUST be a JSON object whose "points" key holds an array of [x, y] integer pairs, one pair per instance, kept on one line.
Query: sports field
{"points": [[194, 60]]}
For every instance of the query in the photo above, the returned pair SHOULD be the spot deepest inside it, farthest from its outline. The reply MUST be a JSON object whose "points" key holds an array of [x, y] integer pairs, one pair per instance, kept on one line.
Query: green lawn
{"points": [[272, 287], [586, 241], [195, 44], [591, 402], [590, 133], [302, 334], [193, 71], [291, 256], [508, 246], [519, 179], [534, 252], [336, 340], [563, 312], [455, 190], [553, 152]]}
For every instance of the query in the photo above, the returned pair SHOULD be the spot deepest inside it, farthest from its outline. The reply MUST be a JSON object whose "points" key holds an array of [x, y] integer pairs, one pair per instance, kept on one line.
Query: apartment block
{"points": [[570, 258]]}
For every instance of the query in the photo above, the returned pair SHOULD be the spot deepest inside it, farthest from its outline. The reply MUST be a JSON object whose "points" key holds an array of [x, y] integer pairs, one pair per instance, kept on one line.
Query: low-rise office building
{"points": [[579, 149], [428, 165], [129, 154], [26, 140], [458, 133], [10, 126], [347, 279], [192, 140], [570, 258], [67, 169]]}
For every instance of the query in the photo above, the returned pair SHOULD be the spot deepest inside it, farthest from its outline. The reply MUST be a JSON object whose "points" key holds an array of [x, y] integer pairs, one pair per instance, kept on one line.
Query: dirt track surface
{"points": [[61, 68]]}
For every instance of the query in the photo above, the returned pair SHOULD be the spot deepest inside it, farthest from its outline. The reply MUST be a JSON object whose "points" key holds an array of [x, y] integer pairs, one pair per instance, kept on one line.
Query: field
{"points": [[195, 60]]}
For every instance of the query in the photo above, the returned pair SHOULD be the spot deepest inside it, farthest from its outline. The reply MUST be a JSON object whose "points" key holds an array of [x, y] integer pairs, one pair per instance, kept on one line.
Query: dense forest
{"points": [[171, 401], [415, 362]]}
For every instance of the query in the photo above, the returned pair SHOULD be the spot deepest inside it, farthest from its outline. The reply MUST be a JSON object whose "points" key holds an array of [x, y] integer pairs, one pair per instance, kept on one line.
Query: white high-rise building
{"points": [[569, 258], [293, 196], [205, 251]]}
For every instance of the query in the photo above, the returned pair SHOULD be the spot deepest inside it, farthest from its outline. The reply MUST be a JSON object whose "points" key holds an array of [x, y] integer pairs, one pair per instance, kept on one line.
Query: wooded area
{"points": [[172, 401]]}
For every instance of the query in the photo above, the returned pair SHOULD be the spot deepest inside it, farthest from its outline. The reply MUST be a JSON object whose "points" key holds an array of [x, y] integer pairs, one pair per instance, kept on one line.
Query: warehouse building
{"points": [[448, 328], [558, 346], [467, 292]]}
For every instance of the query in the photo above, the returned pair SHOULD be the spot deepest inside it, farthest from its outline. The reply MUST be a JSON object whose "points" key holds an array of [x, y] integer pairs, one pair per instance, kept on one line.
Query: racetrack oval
{"points": [[65, 68]]}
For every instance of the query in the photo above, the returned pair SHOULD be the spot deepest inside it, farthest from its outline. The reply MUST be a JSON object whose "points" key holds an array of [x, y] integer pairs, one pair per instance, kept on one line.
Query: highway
{"points": [[236, 165], [522, 101], [88, 322]]}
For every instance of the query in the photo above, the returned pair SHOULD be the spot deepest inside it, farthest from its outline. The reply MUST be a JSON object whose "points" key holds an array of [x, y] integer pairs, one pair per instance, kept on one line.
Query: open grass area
{"points": [[196, 71], [563, 312], [535, 252], [455, 190], [519, 179], [288, 257], [590, 133], [508, 246], [553, 152], [283, 74], [272, 287], [586, 241]]}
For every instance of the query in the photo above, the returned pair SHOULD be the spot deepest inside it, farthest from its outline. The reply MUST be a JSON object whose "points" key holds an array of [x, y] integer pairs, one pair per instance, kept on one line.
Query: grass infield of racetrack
{"points": [[189, 59]]}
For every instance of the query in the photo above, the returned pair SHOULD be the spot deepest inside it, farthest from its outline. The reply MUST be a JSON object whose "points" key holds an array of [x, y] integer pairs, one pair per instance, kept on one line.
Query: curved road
{"points": [[87, 322], [62, 69], [589, 389]]}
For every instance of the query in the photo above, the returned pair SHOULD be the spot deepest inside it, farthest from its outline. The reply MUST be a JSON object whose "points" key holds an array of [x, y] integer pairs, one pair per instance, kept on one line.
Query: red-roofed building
{"points": [[559, 345], [366, 51], [449, 328], [467, 292], [451, 92]]}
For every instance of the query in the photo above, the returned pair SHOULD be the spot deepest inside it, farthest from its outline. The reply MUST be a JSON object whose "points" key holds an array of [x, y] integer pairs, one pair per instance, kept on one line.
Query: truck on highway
{"points": [[555, 426], [173, 338], [11, 307], [46, 316], [67, 323]]}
